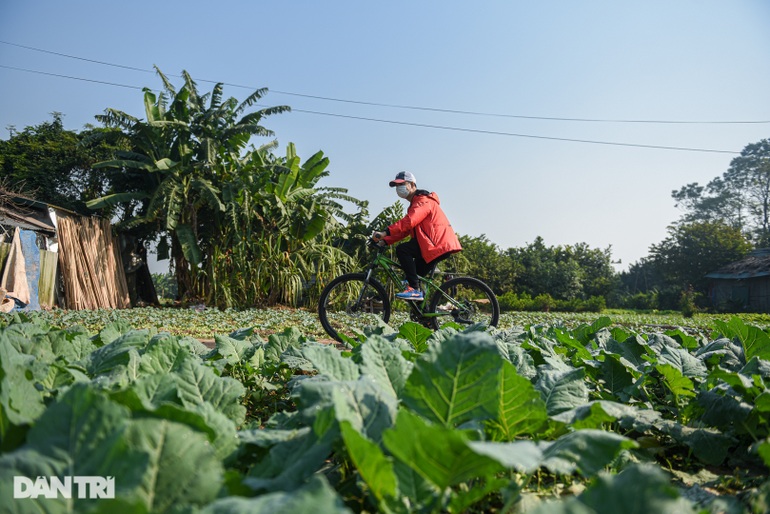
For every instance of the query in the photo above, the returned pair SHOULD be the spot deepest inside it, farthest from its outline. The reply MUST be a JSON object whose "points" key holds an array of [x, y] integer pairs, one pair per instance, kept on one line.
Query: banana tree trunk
{"points": [[182, 272]]}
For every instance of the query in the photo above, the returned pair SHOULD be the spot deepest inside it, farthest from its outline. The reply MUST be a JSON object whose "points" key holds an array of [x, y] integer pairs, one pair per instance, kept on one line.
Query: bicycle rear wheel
{"points": [[348, 304], [469, 301]]}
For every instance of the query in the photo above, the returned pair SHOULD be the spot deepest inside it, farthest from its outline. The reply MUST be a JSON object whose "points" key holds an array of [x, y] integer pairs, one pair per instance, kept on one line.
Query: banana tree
{"points": [[280, 230], [181, 155]]}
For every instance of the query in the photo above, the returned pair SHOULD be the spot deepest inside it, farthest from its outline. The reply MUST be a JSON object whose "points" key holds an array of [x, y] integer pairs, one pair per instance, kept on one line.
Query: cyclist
{"points": [[432, 241]]}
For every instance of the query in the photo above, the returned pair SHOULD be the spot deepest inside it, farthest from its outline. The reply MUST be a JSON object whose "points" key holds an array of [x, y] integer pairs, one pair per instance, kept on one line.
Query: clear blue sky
{"points": [[658, 60]]}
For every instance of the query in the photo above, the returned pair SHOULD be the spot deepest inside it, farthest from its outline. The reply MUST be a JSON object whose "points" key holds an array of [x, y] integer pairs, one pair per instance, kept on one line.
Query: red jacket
{"points": [[426, 222]]}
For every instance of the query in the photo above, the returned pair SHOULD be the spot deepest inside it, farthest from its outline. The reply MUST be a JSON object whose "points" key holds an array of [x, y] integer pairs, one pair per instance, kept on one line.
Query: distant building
{"points": [[743, 285]]}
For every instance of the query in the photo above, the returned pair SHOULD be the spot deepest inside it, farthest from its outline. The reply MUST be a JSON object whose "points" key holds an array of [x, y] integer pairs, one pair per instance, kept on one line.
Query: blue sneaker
{"points": [[410, 293]]}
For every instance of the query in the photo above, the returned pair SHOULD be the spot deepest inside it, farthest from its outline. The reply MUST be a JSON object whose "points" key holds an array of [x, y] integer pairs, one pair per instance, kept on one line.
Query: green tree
{"points": [[54, 165], [692, 250], [739, 198], [179, 157], [165, 285], [641, 276], [640, 285], [575, 272], [485, 260], [599, 276], [278, 241], [564, 272], [242, 226], [750, 174]]}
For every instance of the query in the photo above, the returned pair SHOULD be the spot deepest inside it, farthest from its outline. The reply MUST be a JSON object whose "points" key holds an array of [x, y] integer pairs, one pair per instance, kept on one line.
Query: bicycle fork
{"points": [[359, 305]]}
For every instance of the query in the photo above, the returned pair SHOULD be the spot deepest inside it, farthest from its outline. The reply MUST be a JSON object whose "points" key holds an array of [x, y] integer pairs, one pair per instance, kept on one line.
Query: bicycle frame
{"points": [[352, 301], [389, 266]]}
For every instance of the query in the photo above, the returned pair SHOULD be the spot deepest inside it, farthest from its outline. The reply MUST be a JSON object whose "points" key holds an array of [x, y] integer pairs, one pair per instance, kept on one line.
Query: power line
{"points": [[422, 125], [69, 77], [517, 116], [511, 134], [75, 57], [408, 107]]}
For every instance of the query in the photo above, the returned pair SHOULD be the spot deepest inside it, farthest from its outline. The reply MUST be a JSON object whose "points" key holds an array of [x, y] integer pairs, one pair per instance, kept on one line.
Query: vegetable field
{"points": [[542, 415]]}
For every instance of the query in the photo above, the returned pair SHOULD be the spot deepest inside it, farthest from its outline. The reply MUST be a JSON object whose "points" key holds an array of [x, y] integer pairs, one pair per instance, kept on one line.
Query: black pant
{"points": [[410, 258]]}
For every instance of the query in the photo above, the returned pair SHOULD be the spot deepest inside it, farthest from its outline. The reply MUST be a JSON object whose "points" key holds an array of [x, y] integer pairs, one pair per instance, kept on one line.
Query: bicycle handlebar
{"points": [[373, 244], [380, 245]]}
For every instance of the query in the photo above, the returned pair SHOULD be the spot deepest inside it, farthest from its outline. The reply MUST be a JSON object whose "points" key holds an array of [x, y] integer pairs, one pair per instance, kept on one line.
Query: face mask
{"points": [[402, 191]]}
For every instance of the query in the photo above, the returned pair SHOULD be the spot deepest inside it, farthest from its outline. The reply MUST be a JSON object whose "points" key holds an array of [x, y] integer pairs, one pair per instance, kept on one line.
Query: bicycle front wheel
{"points": [[349, 303], [467, 301]]}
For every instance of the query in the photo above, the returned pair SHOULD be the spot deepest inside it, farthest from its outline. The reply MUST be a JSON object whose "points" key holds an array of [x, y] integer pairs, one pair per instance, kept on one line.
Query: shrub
{"points": [[544, 302], [687, 303], [642, 301], [510, 301], [595, 304]]}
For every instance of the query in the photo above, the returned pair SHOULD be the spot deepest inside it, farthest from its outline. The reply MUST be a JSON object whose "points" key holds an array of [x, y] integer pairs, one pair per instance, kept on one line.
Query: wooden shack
{"points": [[52, 257], [743, 285]]}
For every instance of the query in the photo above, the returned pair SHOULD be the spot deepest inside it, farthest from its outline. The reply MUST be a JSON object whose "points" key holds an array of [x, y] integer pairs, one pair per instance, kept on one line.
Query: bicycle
{"points": [[354, 300]]}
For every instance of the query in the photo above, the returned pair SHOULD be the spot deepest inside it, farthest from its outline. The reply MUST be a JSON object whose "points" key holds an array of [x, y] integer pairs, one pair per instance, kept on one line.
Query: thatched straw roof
{"points": [[756, 264]]}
